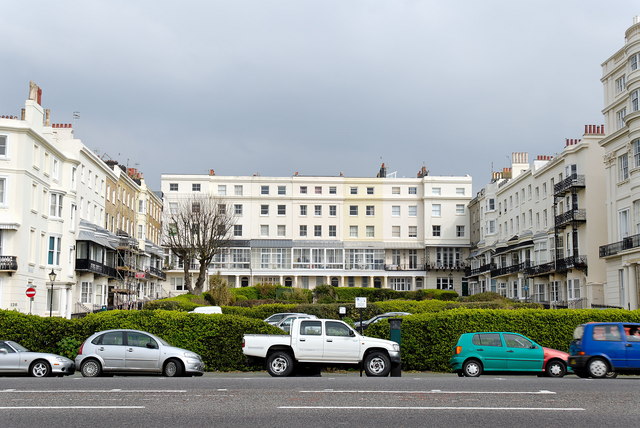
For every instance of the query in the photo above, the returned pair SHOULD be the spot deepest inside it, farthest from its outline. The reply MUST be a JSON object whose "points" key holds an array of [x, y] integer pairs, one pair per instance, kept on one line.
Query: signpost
{"points": [[361, 303], [31, 293]]}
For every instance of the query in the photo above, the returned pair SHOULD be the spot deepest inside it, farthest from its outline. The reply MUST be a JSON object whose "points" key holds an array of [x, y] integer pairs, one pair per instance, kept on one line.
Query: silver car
{"points": [[285, 323], [15, 358], [133, 351]]}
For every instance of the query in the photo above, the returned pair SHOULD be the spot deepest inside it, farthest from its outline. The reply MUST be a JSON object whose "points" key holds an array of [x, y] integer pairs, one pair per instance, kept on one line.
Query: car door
{"points": [[489, 347], [9, 359], [632, 346], [607, 340], [142, 352], [110, 348], [309, 340], [339, 343], [522, 353]]}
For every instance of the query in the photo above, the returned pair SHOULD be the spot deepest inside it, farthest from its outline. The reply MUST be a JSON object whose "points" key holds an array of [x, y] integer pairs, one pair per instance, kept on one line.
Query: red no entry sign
{"points": [[31, 292]]}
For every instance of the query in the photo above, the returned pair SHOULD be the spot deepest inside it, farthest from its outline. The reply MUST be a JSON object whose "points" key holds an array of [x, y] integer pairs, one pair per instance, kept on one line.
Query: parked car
{"points": [[380, 317], [206, 310], [133, 351], [604, 349], [15, 358], [321, 342], [285, 323], [276, 318], [476, 353]]}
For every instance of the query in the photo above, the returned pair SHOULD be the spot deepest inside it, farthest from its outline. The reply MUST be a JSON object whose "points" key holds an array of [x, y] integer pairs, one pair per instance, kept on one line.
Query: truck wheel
{"points": [[556, 368], [597, 368], [377, 364], [280, 364]]}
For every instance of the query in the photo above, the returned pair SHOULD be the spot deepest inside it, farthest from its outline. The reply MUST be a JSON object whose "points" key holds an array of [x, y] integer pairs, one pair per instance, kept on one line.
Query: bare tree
{"points": [[199, 229]]}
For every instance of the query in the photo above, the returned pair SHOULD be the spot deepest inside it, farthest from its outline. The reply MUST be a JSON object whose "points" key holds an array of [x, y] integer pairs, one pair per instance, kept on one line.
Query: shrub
{"points": [[68, 347], [249, 293], [219, 293], [324, 293]]}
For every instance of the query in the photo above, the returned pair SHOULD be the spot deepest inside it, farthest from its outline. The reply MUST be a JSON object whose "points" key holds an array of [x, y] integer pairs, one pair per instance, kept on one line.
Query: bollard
{"points": [[396, 336]]}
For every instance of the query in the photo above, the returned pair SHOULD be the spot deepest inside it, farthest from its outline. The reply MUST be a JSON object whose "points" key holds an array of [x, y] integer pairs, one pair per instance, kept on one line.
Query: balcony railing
{"points": [[95, 267], [482, 269], [409, 266], [8, 263], [626, 244], [540, 269], [447, 266], [157, 273], [572, 215], [506, 270], [578, 262], [574, 180]]}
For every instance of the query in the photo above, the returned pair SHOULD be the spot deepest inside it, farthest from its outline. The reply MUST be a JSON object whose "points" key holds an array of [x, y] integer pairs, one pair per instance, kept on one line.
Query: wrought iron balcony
{"points": [[626, 244], [406, 267], [571, 262], [157, 273], [8, 264], [573, 181], [572, 215], [506, 270], [540, 269], [482, 269], [447, 266], [95, 267]]}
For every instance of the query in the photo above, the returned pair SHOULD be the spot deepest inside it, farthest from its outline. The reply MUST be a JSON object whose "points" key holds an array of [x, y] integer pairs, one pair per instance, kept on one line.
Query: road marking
{"points": [[564, 409], [98, 391], [436, 391], [70, 407]]}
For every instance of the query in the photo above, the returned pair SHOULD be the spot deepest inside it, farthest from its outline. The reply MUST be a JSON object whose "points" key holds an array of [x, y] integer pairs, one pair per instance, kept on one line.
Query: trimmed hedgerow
{"points": [[428, 338]]}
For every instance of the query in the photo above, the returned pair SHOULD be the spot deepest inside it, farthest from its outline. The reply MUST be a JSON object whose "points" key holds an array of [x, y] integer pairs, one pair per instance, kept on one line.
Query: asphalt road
{"points": [[256, 400]]}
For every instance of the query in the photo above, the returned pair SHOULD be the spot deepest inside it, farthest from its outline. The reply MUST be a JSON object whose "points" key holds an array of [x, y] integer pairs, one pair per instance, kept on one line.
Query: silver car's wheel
{"points": [[40, 369], [597, 368], [90, 368], [172, 368]]}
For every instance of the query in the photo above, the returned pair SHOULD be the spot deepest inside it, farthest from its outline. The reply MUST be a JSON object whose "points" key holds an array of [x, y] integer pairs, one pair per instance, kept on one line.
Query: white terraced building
{"points": [[621, 80], [539, 227], [304, 231]]}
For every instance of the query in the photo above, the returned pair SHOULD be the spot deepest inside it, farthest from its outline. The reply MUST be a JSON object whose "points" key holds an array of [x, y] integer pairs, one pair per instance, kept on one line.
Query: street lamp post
{"points": [[450, 281], [52, 278]]}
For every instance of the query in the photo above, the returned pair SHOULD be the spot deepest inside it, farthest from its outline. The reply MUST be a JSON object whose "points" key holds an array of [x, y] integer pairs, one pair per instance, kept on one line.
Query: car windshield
{"points": [[276, 317], [17, 346], [577, 333]]}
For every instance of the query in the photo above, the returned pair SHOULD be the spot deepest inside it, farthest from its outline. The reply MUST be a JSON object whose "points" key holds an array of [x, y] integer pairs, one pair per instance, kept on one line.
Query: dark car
{"points": [[380, 317], [604, 349]]}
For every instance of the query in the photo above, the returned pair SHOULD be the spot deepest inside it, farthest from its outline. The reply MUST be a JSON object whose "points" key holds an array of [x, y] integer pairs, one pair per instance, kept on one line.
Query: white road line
{"points": [[96, 391], [564, 409], [435, 391], [70, 407]]}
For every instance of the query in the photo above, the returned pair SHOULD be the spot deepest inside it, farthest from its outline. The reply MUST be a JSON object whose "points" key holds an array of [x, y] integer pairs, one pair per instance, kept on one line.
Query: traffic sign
{"points": [[361, 302], [31, 292]]}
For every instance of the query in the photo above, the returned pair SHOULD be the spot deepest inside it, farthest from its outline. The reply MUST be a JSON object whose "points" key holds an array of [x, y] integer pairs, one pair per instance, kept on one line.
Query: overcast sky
{"points": [[314, 86]]}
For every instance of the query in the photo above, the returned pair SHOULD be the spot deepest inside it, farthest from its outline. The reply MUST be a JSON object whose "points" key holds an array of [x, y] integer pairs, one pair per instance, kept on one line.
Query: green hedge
{"points": [[428, 338], [217, 338], [348, 294]]}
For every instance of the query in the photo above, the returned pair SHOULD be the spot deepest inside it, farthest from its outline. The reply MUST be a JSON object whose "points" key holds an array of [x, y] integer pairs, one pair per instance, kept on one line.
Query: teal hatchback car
{"points": [[476, 353]]}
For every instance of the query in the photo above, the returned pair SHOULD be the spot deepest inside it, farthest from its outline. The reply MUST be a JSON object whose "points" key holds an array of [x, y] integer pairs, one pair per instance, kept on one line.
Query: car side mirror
{"points": [[534, 347], [3, 351], [151, 345], [352, 333]]}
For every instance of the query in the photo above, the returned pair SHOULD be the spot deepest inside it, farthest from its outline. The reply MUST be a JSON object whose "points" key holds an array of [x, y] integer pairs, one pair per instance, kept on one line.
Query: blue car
{"points": [[604, 349]]}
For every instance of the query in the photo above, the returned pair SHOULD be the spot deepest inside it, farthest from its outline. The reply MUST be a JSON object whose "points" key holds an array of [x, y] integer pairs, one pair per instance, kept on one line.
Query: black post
{"points": [[51, 301], [360, 326]]}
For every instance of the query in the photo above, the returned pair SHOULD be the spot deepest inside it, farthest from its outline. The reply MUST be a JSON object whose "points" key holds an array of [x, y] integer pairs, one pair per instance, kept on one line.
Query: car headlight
{"points": [[192, 355], [396, 347], [62, 359]]}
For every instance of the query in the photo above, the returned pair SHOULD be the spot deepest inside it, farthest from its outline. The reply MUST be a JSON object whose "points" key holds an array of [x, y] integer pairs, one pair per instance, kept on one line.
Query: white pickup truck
{"points": [[318, 342]]}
